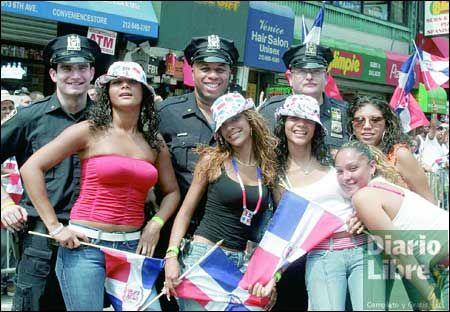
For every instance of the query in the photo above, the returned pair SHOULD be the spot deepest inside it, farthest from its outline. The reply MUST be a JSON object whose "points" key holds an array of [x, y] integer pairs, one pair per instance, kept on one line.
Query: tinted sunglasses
{"points": [[374, 121]]}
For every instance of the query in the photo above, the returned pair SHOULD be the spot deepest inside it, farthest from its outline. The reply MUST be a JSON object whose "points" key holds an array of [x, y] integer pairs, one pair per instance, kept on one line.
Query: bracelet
{"points": [[277, 276], [173, 249], [8, 204], [57, 231], [158, 220]]}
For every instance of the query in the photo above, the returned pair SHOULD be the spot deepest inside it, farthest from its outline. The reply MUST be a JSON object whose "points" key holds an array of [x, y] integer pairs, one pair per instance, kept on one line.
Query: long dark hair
{"points": [[318, 147], [393, 132], [100, 116]]}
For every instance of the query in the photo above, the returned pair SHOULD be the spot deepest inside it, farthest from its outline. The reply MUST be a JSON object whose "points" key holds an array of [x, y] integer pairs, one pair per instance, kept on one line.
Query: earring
{"points": [[382, 136], [351, 138]]}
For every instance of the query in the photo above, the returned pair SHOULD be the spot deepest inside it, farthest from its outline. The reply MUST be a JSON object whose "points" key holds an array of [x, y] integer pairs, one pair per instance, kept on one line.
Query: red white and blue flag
{"points": [[215, 283], [434, 69], [314, 34], [402, 101], [129, 278], [297, 226]]}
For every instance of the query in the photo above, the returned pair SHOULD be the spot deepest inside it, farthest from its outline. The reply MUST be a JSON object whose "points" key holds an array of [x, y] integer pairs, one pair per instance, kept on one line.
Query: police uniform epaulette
{"points": [[38, 102], [172, 101]]}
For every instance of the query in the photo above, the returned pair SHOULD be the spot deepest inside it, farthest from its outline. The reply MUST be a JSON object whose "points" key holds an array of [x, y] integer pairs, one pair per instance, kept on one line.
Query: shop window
{"points": [[398, 11], [350, 5], [377, 9]]}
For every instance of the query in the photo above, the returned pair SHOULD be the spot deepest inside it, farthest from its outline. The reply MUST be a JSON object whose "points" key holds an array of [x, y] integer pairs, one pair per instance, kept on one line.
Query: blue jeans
{"points": [[329, 273], [190, 254], [81, 274]]}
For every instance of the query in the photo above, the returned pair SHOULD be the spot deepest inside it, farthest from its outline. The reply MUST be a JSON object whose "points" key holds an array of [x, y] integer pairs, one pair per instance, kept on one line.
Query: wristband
{"points": [[173, 249], [57, 231], [8, 204], [158, 220], [277, 276]]}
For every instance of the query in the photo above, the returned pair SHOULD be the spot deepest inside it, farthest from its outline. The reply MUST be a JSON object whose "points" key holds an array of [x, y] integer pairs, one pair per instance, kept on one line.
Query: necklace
{"points": [[253, 164], [247, 215], [305, 170]]}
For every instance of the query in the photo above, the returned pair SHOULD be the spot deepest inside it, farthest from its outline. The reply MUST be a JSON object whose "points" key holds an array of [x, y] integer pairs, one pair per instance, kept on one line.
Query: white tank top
{"points": [[417, 213], [327, 194]]}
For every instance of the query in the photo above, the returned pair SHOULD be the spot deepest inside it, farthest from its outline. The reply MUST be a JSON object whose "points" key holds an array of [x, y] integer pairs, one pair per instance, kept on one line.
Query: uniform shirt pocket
{"points": [[183, 152]]}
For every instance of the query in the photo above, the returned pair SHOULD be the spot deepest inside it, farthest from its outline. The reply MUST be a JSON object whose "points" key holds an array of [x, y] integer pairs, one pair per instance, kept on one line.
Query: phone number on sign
{"points": [[135, 26]]}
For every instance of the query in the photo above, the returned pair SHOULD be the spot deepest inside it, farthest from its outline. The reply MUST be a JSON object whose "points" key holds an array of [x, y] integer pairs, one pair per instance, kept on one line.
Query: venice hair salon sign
{"points": [[269, 35]]}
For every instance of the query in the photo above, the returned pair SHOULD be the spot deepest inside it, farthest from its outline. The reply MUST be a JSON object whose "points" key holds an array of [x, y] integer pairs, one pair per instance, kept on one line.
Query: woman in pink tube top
{"points": [[122, 157]]}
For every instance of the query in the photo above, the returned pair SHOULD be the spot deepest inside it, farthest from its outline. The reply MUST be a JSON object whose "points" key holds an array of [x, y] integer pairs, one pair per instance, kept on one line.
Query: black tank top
{"points": [[223, 211]]}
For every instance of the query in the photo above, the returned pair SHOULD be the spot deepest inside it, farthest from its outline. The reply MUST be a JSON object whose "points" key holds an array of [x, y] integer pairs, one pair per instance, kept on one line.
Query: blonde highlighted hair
{"points": [[383, 166], [264, 146]]}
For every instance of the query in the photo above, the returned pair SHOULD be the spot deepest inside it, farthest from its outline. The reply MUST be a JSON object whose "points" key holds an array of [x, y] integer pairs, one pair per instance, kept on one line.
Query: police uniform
{"points": [[333, 113], [23, 133]]}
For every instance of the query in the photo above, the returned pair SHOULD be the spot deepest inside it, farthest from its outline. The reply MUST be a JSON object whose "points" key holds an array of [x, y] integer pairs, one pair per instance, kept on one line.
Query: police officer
{"points": [[71, 58], [186, 120], [307, 64]]}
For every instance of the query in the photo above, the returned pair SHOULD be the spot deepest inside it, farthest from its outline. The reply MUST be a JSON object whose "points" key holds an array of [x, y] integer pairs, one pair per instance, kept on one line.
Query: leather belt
{"points": [[107, 236]]}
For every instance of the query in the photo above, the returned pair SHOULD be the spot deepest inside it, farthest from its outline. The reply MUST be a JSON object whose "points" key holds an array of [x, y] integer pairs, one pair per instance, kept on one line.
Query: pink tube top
{"points": [[114, 189]]}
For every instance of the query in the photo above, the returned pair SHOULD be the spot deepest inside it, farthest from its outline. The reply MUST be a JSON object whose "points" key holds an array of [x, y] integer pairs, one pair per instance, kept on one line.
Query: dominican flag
{"points": [[215, 284], [402, 101], [297, 226], [129, 278], [305, 30], [434, 69], [314, 34]]}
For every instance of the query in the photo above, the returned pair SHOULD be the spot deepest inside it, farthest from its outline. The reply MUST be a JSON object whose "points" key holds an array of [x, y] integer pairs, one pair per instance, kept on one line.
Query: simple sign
{"points": [[436, 18], [132, 17], [106, 39], [269, 35]]}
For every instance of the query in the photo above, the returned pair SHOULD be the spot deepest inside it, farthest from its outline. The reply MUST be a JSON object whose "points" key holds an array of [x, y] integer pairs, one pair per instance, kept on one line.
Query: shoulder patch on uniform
{"points": [[9, 116]]}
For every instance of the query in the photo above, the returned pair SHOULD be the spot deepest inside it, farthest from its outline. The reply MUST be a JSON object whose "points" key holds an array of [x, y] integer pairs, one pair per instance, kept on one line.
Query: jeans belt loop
{"points": [[100, 232], [124, 237], [331, 242]]}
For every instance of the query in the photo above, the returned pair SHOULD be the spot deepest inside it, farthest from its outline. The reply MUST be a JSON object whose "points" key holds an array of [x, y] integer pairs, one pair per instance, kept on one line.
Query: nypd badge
{"points": [[73, 43], [213, 42], [311, 49]]}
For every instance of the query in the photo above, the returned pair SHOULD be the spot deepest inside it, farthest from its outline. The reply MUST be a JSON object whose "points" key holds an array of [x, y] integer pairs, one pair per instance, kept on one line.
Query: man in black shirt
{"points": [[23, 132]]}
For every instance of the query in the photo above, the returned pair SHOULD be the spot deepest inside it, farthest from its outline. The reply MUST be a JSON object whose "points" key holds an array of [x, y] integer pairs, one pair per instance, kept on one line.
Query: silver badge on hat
{"points": [[73, 43], [213, 42], [311, 49]]}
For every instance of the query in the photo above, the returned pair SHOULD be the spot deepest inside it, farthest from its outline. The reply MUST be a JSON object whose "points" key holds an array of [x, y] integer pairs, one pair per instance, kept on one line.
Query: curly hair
{"points": [[264, 145], [384, 167], [393, 133], [99, 116], [319, 149]]}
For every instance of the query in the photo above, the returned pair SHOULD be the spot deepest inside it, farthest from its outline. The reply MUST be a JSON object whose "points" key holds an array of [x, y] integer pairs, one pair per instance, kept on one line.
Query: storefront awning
{"points": [[131, 17]]}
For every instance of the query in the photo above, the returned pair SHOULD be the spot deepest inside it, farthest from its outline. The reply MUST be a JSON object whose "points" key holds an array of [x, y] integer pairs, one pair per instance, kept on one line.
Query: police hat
{"points": [[211, 49], [71, 49], [308, 55]]}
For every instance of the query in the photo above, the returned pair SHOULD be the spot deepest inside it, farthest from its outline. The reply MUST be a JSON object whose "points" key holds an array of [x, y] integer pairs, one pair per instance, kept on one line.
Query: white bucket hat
{"points": [[302, 106], [130, 70], [227, 106]]}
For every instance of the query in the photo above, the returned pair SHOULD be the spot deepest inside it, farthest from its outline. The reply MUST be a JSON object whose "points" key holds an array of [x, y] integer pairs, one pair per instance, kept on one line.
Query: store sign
{"points": [[268, 36], [358, 66], [132, 17], [436, 18], [105, 39], [393, 63]]}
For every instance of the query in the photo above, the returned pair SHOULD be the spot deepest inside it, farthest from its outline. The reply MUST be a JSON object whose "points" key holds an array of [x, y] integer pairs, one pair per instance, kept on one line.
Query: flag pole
{"points": [[217, 245]]}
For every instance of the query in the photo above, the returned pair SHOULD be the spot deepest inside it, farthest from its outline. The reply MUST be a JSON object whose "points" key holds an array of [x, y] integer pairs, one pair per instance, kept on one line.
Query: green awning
{"points": [[436, 97]]}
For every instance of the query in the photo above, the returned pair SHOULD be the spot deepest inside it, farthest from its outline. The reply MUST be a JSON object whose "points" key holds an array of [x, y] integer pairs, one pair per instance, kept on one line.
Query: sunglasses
{"points": [[375, 121]]}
